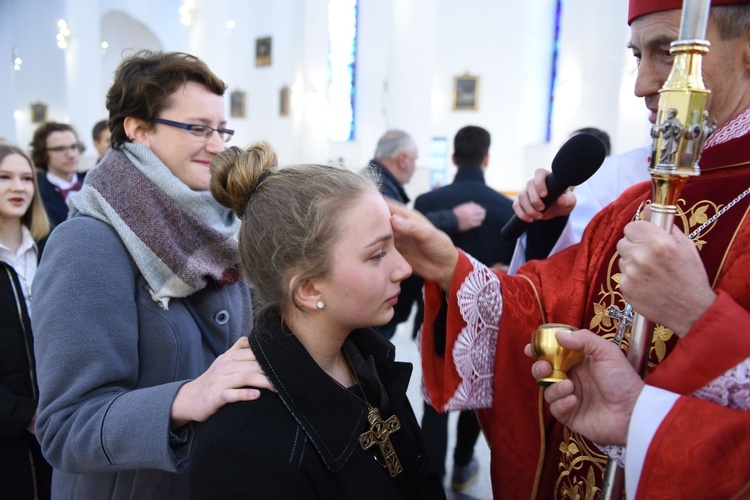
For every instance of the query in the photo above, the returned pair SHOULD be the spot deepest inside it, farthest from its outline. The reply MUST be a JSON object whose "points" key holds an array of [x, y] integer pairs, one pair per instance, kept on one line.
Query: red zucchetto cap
{"points": [[640, 8]]}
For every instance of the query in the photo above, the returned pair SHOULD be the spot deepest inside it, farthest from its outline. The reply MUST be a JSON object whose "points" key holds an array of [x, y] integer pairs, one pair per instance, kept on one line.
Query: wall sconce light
{"points": [[63, 34], [187, 12], [16, 59], [103, 48]]}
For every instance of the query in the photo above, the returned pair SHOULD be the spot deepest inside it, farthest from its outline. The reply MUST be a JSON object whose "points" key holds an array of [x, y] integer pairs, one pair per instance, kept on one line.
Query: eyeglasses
{"points": [[67, 149], [203, 131]]}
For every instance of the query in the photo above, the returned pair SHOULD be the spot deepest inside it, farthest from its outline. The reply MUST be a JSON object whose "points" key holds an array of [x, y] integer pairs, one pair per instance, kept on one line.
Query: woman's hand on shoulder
{"points": [[233, 376]]}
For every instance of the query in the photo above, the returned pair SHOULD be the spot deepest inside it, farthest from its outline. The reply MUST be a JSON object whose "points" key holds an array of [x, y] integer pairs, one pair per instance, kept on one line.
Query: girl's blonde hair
{"points": [[35, 218], [290, 217]]}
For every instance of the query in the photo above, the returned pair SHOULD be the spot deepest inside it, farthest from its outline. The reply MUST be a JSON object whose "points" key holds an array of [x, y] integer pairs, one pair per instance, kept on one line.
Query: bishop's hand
{"points": [[663, 277], [429, 251]]}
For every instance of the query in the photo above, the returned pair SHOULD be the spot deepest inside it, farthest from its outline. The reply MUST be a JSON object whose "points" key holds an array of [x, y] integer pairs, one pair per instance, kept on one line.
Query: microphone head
{"points": [[578, 159]]}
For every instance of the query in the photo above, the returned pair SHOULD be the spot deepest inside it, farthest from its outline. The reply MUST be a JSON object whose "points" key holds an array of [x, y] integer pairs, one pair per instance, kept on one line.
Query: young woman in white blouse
{"points": [[23, 227]]}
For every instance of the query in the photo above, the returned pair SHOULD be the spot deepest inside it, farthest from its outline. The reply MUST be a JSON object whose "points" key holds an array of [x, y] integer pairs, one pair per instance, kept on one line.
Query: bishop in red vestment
{"points": [[490, 316]]}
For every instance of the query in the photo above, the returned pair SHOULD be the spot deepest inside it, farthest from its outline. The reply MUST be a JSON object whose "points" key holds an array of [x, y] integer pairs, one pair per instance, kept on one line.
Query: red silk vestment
{"points": [[491, 316]]}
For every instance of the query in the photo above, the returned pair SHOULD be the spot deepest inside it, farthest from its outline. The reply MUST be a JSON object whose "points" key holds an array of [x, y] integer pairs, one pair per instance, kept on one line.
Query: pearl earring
{"points": [[319, 304]]}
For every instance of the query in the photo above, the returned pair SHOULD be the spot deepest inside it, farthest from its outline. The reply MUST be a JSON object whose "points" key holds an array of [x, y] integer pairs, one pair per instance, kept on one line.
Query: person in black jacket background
{"points": [[24, 473]]}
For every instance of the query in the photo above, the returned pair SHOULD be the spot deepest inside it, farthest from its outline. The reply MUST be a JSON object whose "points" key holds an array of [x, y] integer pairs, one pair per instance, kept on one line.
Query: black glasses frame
{"points": [[65, 149], [203, 131]]}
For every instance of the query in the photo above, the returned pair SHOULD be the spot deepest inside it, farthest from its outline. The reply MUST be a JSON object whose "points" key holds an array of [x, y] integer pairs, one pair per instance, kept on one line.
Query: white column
{"points": [[85, 95]]}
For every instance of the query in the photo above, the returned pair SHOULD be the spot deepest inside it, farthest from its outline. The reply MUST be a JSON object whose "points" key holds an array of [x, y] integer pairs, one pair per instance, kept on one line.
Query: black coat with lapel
{"points": [[303, 442]]}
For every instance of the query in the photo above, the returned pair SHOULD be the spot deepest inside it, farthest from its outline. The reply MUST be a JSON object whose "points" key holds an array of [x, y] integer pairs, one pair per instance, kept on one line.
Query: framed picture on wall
{"points": [[38, 112], [284, 101], [263, 51], [237, 104], [466, 92]]}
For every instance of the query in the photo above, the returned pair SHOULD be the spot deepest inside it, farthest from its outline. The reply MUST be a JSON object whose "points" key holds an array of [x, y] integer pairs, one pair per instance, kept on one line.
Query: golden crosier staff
{"points": [[679, 134]]}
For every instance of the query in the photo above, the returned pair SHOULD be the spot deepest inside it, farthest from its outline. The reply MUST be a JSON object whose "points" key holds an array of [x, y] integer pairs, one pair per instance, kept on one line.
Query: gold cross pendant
{"points": [[379, 433]]}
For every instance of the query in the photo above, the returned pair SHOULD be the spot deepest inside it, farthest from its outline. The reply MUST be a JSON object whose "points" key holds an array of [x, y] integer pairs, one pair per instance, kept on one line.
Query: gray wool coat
{"points": [[110, 361]]}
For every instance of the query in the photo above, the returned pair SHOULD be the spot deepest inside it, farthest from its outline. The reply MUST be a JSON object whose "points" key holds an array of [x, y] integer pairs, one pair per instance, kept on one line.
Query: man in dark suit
{"points": [[471, 155]]}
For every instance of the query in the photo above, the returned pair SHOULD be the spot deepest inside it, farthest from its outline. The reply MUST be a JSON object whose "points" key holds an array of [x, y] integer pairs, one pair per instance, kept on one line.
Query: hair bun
{"points": [[236, 175]]}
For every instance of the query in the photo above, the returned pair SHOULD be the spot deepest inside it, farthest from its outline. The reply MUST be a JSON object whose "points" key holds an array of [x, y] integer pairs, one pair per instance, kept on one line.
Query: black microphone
{"points": [[576, 161]]}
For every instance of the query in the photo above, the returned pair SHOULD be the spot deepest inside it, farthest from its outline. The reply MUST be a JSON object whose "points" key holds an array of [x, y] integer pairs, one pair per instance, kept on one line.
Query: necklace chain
{"points": [[719, 214], [712, 219], [350, 367], [625, 317], [379, 435]]}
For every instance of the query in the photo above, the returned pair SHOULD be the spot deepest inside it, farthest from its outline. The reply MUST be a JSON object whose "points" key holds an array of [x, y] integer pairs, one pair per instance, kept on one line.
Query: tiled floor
{"points": [[481, 489]]}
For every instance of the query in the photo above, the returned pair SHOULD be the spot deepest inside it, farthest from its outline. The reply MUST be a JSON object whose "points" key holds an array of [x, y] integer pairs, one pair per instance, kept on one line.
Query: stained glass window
{"points": [[342, 58], [553, 76]]}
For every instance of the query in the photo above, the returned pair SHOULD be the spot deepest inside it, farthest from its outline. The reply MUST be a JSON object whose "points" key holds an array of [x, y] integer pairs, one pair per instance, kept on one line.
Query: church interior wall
{"points": [[7, 103], [408, 53]]}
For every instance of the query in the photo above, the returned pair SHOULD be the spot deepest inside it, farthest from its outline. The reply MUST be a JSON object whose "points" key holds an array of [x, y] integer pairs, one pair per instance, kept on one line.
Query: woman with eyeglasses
{"points": [[56, 151], [141, 307], [23, 228]]}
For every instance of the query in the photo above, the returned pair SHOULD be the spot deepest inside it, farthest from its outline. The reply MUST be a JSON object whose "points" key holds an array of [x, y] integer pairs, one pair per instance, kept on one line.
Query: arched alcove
{"points": [[124, 35]]}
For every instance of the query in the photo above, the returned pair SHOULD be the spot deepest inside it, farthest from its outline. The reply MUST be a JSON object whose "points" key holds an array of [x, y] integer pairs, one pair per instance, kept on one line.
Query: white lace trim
{"points": [[732, 389], [731, 130], [480, 304]]}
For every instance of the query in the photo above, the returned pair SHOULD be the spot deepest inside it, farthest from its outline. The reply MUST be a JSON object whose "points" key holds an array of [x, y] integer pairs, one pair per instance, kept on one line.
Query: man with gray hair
{"points": [[395, 162], [396, 159]]}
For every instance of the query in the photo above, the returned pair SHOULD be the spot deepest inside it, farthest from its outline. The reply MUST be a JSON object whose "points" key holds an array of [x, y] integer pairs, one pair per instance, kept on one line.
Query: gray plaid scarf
{"points": [[178, 238]]}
